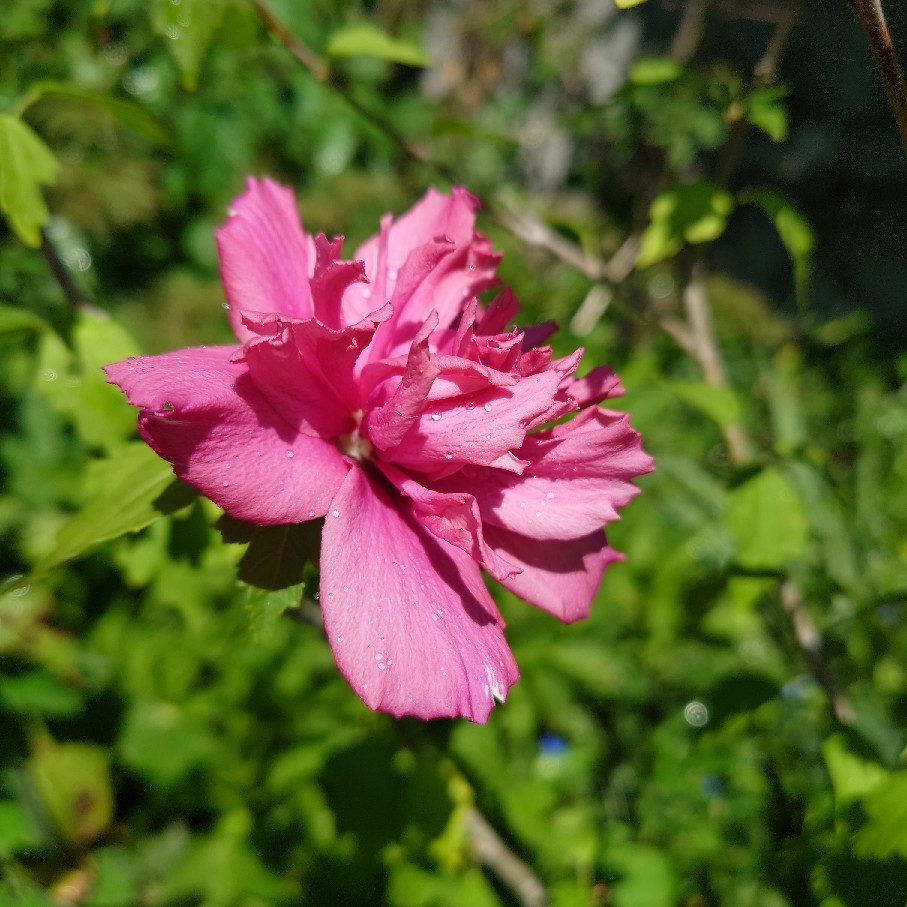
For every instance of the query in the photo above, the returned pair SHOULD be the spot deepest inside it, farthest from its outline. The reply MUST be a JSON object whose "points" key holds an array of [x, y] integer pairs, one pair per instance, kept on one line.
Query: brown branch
{"points": [[872, 20], [503, 862], [689, 32], [704, 349], [809, 639]]}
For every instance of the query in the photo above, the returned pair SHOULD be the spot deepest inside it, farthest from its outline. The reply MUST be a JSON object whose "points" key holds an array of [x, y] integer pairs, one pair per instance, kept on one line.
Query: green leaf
{"points": [[267, 606], [73, 781], [16, 323], [738, 693], [695, 213], [26, 164], [162, 743], [276, 555], [188, 28], [647, 878], [17, 831], [852, 776], [37, 692], [793, 229], [130, 114], [721, 404], [885, 832], [367, 41], [654, 71], [765, 111], [627, 4], [766, 519], [130, 483]]}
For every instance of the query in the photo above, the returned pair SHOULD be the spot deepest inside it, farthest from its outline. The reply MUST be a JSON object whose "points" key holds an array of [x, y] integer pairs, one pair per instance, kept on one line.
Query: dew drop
{"points": [[392, 274], [290, 455], [339, 639], [311, 513], [346, 588], [378, 657], [335, 513], [225, 484], [434, 617], [225, 306], [448, 456], [487, 407], [550, 495], [436, 417], [389, 662], [317, 596], [538, 513]]}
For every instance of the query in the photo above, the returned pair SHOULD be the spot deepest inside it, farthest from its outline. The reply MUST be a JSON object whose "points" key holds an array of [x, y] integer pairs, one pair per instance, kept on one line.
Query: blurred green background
{"points": [[728, 726]]}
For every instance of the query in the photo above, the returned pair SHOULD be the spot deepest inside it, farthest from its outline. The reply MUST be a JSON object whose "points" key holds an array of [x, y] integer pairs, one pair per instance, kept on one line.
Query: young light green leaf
{"points": [[130, 482], [654, 71], [16, 322], [26, 164], [128, 113], [364, 40], [766, 112], [627, 4], [766, 518], [695, 213], [793, 229]]}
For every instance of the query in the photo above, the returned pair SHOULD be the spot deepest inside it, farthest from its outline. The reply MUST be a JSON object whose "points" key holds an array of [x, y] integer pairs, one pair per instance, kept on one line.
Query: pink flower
{"points": [[379, 394]]}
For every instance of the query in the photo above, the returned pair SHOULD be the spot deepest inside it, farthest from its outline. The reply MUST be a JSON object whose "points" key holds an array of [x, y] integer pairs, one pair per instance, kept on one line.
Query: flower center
{"points": [[353, 444]]}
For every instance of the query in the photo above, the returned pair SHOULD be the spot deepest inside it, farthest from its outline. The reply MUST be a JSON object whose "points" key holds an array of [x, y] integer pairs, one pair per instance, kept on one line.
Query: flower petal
{"points": [[452, 517], [266, 259], [203, 413], [409, 619], [560, 577], [578, 474], [478, 429]]}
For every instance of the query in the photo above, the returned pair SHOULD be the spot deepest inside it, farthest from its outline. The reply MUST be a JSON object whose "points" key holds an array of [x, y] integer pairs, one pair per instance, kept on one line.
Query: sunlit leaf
{"points": [[766, 518], [694, 213], [267, 606], [766, 112], [130, 483], [654, 70], [721, 404], [627, 4], [367, 41], [26, 164]]}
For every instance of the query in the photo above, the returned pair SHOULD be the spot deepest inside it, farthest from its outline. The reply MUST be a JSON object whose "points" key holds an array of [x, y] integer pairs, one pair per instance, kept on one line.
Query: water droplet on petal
{"points": [[378, 657], [346, 588], [225, 484], [339, 639], [436, 417], [382, 666], [335, 513], [225, 306], [487, 407], [448, 456], [538, 513], [549, 495], [392, 274], [290, 455]]}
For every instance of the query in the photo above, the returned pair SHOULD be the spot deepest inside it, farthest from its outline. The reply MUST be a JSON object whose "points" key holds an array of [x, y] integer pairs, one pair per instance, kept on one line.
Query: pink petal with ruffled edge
{"points": [[560, 577], [579, 474], [204, 414], [266, 259], [409, 620]]}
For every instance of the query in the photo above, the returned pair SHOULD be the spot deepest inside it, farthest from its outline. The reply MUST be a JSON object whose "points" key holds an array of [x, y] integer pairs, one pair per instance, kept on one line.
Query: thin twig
{"points": [[503, 862], [872, 19], [809, 640], [320, 69]]}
